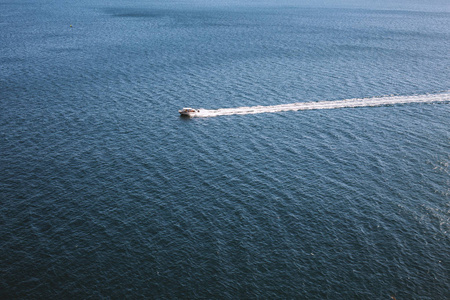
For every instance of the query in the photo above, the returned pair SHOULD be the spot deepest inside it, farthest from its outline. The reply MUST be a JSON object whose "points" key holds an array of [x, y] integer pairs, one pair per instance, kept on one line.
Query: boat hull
{"points": [[188, 115]]}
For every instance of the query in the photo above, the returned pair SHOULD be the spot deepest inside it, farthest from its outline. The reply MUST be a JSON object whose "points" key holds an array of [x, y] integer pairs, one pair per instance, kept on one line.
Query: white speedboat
{"points": [[188, 112]]}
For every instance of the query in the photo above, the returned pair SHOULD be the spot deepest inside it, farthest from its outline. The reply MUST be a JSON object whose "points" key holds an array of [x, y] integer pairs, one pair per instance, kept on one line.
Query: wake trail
{"points": [[348, 103]]}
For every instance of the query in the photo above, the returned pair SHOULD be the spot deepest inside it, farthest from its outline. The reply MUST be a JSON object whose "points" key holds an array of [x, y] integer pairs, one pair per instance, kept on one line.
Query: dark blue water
{"points": [[107, 193]]}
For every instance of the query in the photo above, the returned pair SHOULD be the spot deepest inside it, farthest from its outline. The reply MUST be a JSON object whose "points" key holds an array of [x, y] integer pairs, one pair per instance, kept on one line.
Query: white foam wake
{"points": [[357, 102]]}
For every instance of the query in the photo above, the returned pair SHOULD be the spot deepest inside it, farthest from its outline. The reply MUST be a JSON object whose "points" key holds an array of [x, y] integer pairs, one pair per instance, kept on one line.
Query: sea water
{"points": [[107, 193]]}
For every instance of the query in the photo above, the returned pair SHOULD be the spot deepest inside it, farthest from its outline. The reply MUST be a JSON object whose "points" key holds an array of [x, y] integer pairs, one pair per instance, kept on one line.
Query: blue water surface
{"points": [[106, 192]]}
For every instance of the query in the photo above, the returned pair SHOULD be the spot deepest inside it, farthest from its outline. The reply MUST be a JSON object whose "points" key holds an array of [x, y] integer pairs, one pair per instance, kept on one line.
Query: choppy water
{"points": [[107, 193]]}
